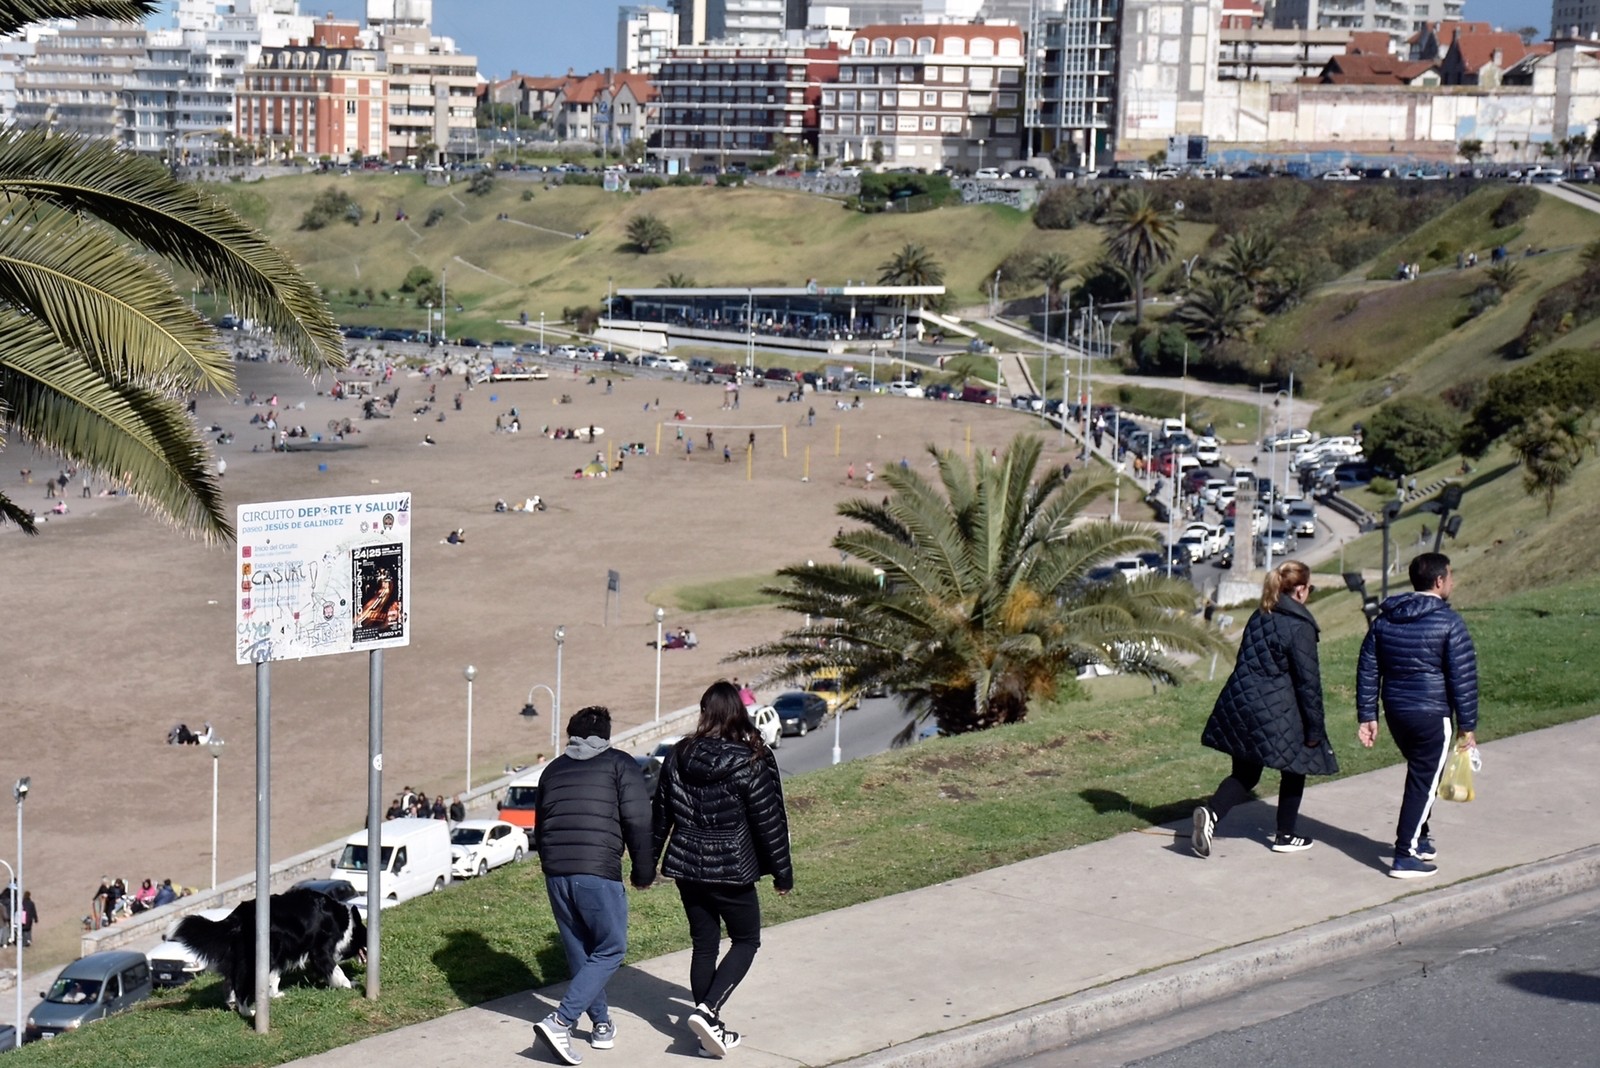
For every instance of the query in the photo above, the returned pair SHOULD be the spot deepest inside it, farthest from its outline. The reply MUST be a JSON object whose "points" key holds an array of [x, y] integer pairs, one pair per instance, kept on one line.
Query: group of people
{"points": [[112, 902], [413, 805], [1417, 663], [716, 826], [17, 917]]}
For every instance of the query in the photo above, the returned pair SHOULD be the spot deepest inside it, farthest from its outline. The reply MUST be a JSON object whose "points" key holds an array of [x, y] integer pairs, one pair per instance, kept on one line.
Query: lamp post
{"points": [[215, 745], [661, 614], [555, 712], [16, 926], [994, 295], [541, 335], [20, 791], [469, 674], [980, 153]]}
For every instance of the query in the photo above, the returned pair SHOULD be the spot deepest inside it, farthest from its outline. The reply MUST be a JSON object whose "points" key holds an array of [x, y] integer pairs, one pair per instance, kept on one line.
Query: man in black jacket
{"points": [[592, 804], [1419, 657]]}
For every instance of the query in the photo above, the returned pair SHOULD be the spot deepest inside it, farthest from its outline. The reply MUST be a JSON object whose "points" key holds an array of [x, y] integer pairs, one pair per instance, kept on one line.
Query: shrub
{"points": [[1481, 300], [647, 181], [1566, 306], [1517, 205], [1381, 486], [1511, 399], [1066, 206], [418, 277], [330, 206], [585, 318], [1159, 351], [1016, 273], [482, 183], [1411, 433], [435, 215], [527, 195], [648, 234]]}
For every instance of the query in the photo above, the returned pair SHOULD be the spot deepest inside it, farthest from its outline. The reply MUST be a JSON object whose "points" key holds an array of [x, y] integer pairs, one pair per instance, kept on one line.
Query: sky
{"points": [[550, 36]]}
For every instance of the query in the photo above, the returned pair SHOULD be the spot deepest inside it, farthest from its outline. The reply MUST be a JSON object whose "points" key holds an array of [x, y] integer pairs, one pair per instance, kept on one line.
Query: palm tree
{"points": [[99, 351], [913, 265], [1215, 310], [1053, 269], [1550, 446], [1142, 238], [648, 234], [1288, 287], [676, 280], [1251, 259], [973, 594], [1504, 275]]}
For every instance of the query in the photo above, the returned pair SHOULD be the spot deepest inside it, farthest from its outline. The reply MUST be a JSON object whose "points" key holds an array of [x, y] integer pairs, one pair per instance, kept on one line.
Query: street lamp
{"points": [[541, 334], [661, 614], [980, 153], [215, 745], [20, 791], [555, 712], [994, 295], [469, 674]]}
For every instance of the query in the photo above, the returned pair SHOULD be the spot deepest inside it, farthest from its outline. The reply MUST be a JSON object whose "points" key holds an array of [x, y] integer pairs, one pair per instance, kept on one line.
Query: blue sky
{"points": [[549, 36]]}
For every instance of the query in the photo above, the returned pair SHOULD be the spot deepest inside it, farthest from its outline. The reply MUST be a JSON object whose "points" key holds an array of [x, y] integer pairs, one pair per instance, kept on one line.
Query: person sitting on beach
{"points": [[500, 504], [457, 537]]}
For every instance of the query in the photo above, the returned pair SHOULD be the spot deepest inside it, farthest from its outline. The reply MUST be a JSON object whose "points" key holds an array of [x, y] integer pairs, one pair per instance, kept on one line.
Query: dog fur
{"points": [[311, 934]]}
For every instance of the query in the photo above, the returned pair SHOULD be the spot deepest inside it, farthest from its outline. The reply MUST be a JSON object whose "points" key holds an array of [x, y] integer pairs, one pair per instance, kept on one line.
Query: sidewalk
{"points": [[922, 968]]}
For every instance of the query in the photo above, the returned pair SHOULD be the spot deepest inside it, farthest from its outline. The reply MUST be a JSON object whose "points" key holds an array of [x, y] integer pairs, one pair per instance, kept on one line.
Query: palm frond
{"points": [[17, 14]]}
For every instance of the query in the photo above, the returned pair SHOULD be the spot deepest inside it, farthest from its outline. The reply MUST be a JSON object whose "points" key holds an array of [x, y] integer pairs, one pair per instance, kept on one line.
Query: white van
{"points": [[416, 859], [765, 717]]}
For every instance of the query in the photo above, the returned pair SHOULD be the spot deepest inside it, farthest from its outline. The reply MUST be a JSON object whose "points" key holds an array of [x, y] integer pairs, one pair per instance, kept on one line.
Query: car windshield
{"points": [[825, 685], [521, 797], [354, 857], [790, 702], [466, 836], [74, 991]]}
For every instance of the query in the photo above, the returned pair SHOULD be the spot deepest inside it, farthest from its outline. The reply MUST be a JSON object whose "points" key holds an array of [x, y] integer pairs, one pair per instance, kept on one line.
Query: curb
{"points": [[1054, 1024]]}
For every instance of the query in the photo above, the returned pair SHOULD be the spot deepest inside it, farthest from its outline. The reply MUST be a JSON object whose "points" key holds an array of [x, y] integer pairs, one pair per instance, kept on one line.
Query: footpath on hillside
{"points": [[1007, 961]]}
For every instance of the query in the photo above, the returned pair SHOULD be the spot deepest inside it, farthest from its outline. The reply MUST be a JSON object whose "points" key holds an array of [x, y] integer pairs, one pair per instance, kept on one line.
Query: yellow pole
{"points": [[807, 477], [658, 439], [749, 463], [836, 429], [969, 442], [786, 442]]}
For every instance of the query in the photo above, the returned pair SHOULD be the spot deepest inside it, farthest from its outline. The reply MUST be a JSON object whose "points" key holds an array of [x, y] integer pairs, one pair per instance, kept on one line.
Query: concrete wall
{"points": [[317, 863]]}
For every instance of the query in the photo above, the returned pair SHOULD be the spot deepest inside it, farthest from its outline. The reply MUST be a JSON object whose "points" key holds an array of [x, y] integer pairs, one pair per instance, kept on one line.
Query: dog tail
{"points": [[211, 940]]}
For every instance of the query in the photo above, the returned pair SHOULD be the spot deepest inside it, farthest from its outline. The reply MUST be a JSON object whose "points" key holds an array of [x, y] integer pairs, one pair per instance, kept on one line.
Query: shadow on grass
{"points": [[1486, 477], [478, 972]]}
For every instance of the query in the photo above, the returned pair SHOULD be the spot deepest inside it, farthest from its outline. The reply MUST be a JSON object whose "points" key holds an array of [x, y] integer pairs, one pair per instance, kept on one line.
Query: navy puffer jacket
{"points": [[1270, 709], [719, 815], [1420, 656]]}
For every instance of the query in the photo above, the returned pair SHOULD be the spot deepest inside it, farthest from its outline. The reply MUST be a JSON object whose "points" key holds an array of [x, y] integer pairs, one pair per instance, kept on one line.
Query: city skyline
{"points": [[547, 37]]}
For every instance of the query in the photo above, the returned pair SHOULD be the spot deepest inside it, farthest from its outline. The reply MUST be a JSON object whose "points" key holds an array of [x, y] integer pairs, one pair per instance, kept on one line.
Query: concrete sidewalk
{"points": [[1022, 958]]}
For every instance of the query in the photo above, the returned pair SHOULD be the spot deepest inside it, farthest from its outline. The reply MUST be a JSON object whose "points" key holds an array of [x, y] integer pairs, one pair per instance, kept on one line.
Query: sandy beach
{"points": [[122, 627]]}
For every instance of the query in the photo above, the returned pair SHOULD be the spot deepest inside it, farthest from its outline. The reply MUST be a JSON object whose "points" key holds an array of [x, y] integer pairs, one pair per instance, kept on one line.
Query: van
{"points": [[1171, 428], [90, 988], [415, 861], [765, 717], [520, 800]]}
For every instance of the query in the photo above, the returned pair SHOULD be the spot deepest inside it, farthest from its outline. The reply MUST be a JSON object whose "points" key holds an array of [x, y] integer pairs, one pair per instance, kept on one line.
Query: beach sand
{"points": [[121, 627]]}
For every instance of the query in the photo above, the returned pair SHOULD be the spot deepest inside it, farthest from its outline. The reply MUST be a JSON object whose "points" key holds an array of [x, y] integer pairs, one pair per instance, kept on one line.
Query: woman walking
{"points": [[1269, 714], [719, 817]]}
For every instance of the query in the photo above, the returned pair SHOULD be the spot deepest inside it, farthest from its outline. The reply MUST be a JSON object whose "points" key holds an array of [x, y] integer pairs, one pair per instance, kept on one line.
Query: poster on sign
{"points": [[324, 576]]}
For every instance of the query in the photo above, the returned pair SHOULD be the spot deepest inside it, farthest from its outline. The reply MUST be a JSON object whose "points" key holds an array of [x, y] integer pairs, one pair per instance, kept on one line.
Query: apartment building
{"points": [[726, 103], [75, 77], [1073, 85], [645, 34], [328, 97], [14, 53], [1398, 18], [433, 89], [928, 96], [1574, 18]]}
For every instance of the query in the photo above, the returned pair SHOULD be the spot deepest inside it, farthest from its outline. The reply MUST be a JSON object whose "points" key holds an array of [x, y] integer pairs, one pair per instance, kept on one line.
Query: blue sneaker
{"points": [[1407, 867], [1425, 850]]}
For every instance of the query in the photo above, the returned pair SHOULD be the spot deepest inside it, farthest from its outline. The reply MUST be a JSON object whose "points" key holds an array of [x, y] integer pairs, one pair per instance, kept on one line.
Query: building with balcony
{"points": [[926, 96], [433, 89], [325, 98], [1072, 88], [14, 53], [1398, 18], [75, 77], [1574, 18], [1265, 54], [645, 34], [722, 103]]}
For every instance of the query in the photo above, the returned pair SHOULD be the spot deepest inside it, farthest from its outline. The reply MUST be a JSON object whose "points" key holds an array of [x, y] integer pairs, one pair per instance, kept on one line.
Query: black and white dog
{"points": [[311, 933]]}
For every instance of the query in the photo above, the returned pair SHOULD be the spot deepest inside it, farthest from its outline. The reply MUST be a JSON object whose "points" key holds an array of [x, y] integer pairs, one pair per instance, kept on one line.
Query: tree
{"points": [[1504, 275], [1142, 238], [1250, 259], [648, 234], [98, 348], [1215, 310], [419, 277], [1411, 433], [973, 594], [1287, 288], [482, 183], [1054, 270], [674, 280], [1550, 447], [913, 265], [1470, 149]]}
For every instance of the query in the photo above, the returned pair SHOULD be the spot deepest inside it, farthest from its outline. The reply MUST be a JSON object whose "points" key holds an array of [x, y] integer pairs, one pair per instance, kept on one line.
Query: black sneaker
{"points": [[715, 1039], [1205, 825], [1407, 867], [1290, 843]]}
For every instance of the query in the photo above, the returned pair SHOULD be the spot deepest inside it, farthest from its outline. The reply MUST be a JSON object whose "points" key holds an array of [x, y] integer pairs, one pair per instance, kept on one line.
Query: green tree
{"points": [[1470, 149], [913, 265], [675, 280], [331, 206], [1053, 270], [1142, 237], [419, 277], [98, 347], [1550, 447], [1287, 287], [971, 595], [1250, 259], [482, 183], [648, 234], [1411, 433], [1215, 310]]}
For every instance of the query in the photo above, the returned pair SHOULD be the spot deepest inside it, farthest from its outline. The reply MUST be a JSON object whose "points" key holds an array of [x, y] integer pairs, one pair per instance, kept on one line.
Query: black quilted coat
{"points": [[1271, 705], [719, 815]]}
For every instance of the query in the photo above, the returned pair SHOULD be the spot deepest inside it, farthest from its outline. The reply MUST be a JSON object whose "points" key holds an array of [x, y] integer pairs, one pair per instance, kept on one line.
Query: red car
{"points": [[978, 395]]}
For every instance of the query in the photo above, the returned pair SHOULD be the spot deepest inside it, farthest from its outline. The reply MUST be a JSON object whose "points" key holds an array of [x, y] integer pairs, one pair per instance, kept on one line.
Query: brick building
{"points": [[325, 98]]}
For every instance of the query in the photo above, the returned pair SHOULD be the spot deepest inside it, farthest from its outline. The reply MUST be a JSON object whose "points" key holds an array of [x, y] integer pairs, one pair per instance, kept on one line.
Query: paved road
{"points": [[862, 732], [1519, 990]]}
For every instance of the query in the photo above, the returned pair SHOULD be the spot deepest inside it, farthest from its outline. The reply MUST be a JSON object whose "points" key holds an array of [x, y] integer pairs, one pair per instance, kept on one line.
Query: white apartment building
{"points": [[14, 52], [1398, 18], [645, 34], [74, 79]]}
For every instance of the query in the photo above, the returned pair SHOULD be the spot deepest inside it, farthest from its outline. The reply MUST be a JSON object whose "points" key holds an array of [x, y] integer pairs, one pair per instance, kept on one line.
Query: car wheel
{"points": [[777, 741], [438, 884], [516, 858], [803, 728], [483, 867]]}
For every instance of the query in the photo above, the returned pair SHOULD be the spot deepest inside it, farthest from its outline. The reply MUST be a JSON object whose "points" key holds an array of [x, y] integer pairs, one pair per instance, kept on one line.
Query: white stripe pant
{"points": [[1424, 741]]}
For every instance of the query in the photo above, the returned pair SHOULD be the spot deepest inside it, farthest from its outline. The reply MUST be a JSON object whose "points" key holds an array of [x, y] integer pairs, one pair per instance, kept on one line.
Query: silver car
{"points": [[90, 988]]}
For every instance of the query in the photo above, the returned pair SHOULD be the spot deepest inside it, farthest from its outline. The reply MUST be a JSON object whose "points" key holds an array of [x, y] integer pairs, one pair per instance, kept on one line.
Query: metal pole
{"points": [[216, 754], [1116, 447], [21, 791], [471, 673], [263, 988], [660, 615], [374, 814], [838, 718], [555, 716]]}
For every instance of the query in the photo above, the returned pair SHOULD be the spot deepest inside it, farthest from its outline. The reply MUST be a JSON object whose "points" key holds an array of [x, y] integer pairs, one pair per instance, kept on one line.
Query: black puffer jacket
{"points": [[719, 815], [1421, 651], [588, 811], [1271, 706]]}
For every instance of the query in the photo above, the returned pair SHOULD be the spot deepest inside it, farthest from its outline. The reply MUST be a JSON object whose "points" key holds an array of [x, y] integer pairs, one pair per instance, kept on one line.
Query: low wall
{"points": [[317, 863]]}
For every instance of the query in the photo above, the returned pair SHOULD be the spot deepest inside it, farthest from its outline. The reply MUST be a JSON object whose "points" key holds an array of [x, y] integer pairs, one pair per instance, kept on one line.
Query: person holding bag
{"points": [[720, 826], [1269, 713]]}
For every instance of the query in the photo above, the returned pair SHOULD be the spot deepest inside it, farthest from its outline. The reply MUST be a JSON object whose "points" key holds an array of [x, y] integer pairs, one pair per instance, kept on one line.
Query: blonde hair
{"points": [[1286, 576]]}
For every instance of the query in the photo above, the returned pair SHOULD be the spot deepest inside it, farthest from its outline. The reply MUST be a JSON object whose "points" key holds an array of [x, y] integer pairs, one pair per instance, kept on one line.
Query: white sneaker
{"points": [[715, 1039], [1205, 824], [557, 1038]]}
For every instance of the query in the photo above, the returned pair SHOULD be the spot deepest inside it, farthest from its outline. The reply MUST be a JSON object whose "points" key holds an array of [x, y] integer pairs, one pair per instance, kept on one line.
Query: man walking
{"points": [[1419, 658], [592, 804]]}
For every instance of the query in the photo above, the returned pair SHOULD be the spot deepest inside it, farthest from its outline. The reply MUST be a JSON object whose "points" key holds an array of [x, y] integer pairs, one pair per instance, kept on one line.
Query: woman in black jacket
{"points": [[719, 816], [1269, 714]]}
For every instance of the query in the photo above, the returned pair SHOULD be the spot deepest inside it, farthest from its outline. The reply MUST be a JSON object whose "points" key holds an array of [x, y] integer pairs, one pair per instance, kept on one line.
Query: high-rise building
{"points": [[1073, 82], [1573, 18], [645, 34], [1398, 18], [75, 77], [433, 90], [704, 21], [323, 97]]}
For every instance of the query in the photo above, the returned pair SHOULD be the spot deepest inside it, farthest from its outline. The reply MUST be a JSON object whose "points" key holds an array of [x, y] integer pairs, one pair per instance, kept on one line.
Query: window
{"points": [[847, 124], [1008, 76], [950, 100], [1005, 126], [908, 124], [858, 47], [930, 123], [907, 74], [931, 73], [828, 98], [930, 99], [902, 46], [827, 122], [880, 46], [950, 124], [888, 98], [869, 125], [952, 74], [869, 101], [1006, 100], [924, 46], [982, 78], [847, 99], [955, 46], [847, 74], [982, 46], [867, 75]]}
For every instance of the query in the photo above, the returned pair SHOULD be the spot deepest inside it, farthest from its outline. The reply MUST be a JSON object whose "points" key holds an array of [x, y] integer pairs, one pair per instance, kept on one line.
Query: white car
{"points": [[174, 963], [989, 174], [1132, 570], [1208, 451], [478, 845], [671, 363], [903, 388], [1212, 488], [765, 717], [567, 352]]}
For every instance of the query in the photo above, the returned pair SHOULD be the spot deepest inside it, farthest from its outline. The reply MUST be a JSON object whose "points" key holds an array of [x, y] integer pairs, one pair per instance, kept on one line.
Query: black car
{"points": [[800, 712]]}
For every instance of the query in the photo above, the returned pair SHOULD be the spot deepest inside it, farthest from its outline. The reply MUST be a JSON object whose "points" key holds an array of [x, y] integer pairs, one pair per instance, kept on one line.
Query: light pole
{"points": [[994, 295], [16, 926], [215, 745], [469, 674], [20, 791], [661, 614], [750, 328], [555, 712], [541, 334], [980, 153]]}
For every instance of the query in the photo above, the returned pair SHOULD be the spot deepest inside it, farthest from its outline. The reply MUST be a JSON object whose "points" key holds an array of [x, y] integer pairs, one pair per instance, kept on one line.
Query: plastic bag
{"points": [[1456, 782]]}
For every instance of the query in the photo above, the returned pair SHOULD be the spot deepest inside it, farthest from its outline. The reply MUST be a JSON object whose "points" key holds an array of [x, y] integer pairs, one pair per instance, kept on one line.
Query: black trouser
{"points": [[709, 906], [1238, 786], [1424, 740]]}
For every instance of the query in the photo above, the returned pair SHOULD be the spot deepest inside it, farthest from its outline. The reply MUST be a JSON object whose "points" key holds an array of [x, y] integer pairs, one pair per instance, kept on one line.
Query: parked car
{"points": [[977, 395], [989, 174], [415, 859], [827, 683], [650, 763], [521, 799], [478, 845], [1028, 402], [174, 963], [800, 712], [939, 391], [765, 717], [1207, 450], [904, 388], [90, 988]]}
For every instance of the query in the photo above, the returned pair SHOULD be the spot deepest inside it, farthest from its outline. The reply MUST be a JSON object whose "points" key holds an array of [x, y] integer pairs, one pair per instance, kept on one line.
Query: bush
{"points": [[1016, 273], [1411, 433], [1482, 299], [1159, 351], [482, 183], [435, 215], [1510, 400], [1381, 486], [527, 195], [331, 206], [647, 181], [584, 317], [1561, 309], [1066, 206], [419, 277], [648, 234], [1517, 205]]}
